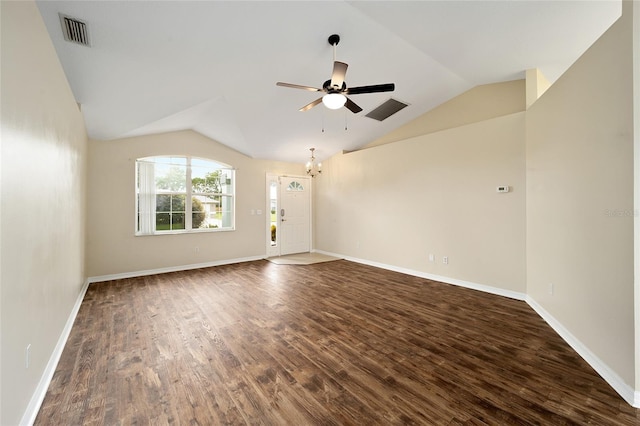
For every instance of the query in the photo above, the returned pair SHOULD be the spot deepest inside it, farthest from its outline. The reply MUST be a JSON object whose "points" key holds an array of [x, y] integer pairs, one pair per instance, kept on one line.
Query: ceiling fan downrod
{"points": [[333, 40]]}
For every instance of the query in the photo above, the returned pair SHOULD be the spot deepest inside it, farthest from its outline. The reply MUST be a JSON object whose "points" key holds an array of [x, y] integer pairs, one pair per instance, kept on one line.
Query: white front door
{"points": [[295, 215]]}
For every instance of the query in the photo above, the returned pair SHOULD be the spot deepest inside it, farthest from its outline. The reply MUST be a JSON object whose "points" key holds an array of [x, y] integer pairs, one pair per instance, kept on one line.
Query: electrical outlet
{"points": [[27, 356], [432, 258], [445, 260]]}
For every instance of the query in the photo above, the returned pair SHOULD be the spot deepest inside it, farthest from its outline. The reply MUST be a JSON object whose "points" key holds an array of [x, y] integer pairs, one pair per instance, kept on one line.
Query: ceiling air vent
{"points": [[74, 30], [386, 110]]}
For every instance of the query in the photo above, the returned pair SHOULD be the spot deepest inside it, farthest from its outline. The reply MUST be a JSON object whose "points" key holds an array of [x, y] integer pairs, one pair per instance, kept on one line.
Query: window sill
{"points": [[181, 232]]}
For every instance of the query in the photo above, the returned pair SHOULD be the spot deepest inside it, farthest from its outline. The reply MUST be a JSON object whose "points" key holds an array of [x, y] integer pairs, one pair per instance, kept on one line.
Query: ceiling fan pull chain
{"points": [[345, 120]]}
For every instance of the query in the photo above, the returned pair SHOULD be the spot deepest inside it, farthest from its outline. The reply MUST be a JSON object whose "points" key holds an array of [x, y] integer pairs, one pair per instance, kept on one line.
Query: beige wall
{"points": [[580, 199], [112, 247], [397, 203], [477, 104], [43, 204]]}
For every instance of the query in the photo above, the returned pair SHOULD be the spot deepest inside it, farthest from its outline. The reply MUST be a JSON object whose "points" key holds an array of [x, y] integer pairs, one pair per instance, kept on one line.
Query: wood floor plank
{"points": [[335, 343]]}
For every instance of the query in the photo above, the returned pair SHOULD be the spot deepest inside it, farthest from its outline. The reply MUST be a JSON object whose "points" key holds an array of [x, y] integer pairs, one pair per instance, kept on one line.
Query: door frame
{"points": [[272, 251]]}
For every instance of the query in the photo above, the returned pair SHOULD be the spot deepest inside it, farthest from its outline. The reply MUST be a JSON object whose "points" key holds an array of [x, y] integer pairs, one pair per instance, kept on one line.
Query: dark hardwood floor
{"points": [[327, 344]]}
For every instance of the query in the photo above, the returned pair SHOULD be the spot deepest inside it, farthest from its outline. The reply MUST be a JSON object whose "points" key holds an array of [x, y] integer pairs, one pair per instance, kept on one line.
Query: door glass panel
{"points": [[273, 209], [295, 186]]}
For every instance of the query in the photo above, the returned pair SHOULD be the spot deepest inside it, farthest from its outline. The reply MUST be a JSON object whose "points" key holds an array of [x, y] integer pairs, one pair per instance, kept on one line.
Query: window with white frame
{"points": [[183, 194]]}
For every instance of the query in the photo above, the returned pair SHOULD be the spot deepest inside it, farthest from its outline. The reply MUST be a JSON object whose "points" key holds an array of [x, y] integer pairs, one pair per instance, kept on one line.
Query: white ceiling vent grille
{"points": [[386, 110], [74, 30]]}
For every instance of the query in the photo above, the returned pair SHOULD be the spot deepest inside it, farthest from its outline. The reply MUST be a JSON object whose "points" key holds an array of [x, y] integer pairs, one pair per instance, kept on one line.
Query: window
{"points": [[183, 194], [295, 186]]}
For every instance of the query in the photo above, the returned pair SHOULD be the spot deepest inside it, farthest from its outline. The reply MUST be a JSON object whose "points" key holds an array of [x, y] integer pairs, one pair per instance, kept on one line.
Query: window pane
{"points": [[213, 211], [177, 203], [226, 181], [177, 221], [219, 211], [163, 222], [273, 206], [208, 183], [198, 213], [226, 212], [201, 163], [163, 203], [295, 186], [170, 176], [211, 180]]}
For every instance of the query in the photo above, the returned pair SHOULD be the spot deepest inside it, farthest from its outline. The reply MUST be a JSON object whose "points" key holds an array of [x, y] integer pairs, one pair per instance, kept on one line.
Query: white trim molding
{"points": [[461, 283], [31, 412], [133, 274], [630, 395], [627, 392], [636, 189]]}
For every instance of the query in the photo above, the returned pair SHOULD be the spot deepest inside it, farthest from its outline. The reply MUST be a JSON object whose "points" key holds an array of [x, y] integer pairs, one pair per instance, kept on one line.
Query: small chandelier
{"points": [[313, 169]]}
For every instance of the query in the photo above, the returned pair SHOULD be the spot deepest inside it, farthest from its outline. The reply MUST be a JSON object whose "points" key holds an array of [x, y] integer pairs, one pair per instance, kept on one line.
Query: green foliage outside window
{"points": [[171, 212]]}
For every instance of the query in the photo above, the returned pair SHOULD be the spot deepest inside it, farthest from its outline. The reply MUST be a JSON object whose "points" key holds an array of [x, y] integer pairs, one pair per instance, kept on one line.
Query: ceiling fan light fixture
{"points": [[336, 89], [334, 100]]}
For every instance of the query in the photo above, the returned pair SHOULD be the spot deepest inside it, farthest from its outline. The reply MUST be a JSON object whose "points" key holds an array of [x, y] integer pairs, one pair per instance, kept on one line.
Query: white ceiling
{"points": [[211, 66]]}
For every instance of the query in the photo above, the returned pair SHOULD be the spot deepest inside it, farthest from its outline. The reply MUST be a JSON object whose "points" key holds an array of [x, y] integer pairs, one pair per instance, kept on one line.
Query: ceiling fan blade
{"points": [[376, 88], [297, 86], [351, 106], [310, 105], [337, 76]]}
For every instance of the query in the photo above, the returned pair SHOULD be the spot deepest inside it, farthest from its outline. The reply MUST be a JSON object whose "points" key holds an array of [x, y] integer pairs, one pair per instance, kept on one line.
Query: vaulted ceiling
{"points": [[212, 66]]}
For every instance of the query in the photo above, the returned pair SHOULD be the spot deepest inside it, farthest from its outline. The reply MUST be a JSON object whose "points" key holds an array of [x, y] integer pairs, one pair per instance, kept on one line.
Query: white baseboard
{"points": [[461, 283], [179, 268], [31, 412], [625, 391]]}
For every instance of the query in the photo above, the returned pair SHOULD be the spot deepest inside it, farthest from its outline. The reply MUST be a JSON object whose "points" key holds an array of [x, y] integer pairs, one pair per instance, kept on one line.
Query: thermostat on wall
{"points": [[504, 188]]}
